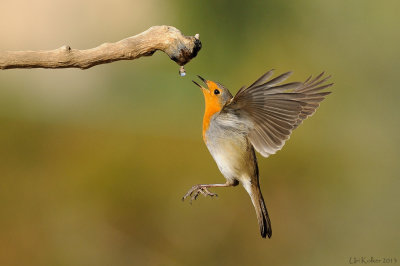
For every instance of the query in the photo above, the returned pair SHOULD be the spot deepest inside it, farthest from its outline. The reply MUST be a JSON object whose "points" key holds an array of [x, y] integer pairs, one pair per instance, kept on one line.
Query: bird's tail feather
{"points": [[261, 210]]}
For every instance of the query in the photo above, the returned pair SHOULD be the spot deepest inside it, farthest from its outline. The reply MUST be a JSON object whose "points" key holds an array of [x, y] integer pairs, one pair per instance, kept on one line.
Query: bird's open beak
{"points": [[204, 89]]}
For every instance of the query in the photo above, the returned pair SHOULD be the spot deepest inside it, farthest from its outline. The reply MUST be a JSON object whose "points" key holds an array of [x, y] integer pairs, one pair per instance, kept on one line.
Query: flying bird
{"points": [[259, 118]]}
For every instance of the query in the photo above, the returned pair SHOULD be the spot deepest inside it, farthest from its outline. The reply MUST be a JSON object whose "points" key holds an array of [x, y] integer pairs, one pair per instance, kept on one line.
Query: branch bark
{"points": [[168, 39]]}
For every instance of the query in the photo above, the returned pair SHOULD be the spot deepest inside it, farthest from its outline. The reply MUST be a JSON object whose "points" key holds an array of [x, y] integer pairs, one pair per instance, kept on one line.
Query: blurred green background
{"points": [[93, 164]]}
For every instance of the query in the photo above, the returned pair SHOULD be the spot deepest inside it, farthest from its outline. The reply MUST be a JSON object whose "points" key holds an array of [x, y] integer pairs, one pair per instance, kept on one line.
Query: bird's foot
{"points": [[196, 190]]}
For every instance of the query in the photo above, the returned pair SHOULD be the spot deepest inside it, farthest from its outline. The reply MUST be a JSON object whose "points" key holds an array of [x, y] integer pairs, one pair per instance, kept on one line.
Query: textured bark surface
{"points": [[168, 39]]}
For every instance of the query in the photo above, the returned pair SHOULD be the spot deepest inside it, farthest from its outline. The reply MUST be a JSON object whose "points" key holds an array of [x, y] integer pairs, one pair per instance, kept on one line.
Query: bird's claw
{"points": [[196, 190]]}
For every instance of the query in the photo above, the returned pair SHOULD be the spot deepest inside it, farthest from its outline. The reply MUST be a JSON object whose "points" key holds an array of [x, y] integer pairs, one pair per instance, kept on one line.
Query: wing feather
{"points": [[272, 110]]}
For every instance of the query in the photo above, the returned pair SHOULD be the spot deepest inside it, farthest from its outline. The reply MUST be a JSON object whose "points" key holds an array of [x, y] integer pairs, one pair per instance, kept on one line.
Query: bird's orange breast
{"points": [[213, 105]]}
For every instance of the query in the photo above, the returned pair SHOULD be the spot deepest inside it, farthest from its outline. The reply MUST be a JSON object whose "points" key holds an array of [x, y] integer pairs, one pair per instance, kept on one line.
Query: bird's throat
{"points": [[211, 109]]}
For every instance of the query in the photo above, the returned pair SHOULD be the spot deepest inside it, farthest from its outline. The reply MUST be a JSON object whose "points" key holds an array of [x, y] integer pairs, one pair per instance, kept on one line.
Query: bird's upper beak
{"points": [[204, 89]]}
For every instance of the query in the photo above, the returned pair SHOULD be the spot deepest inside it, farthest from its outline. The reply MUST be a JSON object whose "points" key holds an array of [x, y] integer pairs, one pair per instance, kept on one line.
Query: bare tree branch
{"points": [[168, 39]]}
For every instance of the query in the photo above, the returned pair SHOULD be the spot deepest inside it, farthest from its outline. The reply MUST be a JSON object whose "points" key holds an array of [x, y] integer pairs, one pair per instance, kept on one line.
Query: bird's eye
{"points": [[216, 91]]}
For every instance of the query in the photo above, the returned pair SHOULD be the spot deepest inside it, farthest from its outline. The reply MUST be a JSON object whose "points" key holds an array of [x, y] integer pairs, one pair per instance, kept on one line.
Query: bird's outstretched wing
{"points": [[272, 111]]}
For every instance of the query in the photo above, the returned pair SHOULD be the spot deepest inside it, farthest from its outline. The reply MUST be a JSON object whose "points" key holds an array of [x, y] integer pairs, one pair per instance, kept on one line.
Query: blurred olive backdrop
{"points": [[93, 163]]}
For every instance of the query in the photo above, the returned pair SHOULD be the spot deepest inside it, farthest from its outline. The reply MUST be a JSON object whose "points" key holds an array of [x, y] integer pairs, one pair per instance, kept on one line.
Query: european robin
{"points": [[260, 117]]}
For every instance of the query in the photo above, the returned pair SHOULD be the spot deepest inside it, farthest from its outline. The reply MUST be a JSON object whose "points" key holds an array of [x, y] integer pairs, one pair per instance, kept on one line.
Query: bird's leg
{"points": [[196, 190]]}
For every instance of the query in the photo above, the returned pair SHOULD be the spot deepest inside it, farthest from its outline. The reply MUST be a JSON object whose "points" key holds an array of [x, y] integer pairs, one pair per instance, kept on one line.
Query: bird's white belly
{"points": [[231, 157]]}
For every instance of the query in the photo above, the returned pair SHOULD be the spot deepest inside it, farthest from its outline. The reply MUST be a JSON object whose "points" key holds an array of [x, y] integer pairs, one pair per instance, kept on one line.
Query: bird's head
{"points": [[215, 95]]}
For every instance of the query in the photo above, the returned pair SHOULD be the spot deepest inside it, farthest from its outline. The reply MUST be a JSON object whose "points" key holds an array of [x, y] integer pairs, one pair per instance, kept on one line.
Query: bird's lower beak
{"points": [[204, 89]]}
